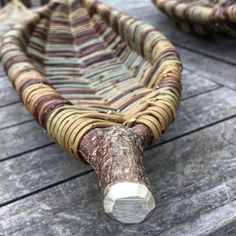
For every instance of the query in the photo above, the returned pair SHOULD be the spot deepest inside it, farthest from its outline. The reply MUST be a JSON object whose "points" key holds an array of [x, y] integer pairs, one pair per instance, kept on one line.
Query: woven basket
{"points": [[103, 85], [13, 12], [201, 16]]}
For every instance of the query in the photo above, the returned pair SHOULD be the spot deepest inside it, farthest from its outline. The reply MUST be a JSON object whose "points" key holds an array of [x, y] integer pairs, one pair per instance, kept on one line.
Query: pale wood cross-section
{"points": [[192, 168]]}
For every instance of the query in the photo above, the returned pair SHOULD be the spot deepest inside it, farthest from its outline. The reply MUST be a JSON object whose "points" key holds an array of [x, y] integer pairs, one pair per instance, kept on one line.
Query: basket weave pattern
{"points": [[13, 12], [201, 16], [79, 65]]}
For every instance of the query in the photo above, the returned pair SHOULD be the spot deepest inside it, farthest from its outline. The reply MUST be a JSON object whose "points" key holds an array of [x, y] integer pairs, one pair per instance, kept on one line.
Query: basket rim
{"points": [[32, 88], [215, 14]]}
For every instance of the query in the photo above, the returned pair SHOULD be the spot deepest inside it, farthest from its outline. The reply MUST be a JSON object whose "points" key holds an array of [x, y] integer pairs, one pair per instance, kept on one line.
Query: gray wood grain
{"points": [[7, 93], [194, 84], [218, 222], [8, 96], [1, 70], [207, 56], [17, 136], [4, 82], [187, 190], [21, 138], [211, 69], [203, 110], [217, 47], [36, 170], [13, 115], [23, 143], [193, 177], [190, 117]]}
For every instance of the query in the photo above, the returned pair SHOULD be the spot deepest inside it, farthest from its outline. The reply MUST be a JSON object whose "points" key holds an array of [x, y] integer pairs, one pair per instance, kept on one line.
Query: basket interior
{"points": [[85, 60]]}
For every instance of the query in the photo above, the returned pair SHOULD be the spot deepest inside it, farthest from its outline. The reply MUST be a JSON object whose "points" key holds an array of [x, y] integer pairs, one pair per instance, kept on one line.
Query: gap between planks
{"points": [[83, 192], [89, 171], [149, 13]]}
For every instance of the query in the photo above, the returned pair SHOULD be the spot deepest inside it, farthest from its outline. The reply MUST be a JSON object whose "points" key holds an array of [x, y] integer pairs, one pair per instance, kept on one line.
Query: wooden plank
{"points": [[200, 54], [22, 138], [2, 73], [216, 47], [8, 96], [199, 184], [36, 170], [186, 189], [228, 227], [202, 111], [194, 84], [11, 110], [191, 116], [17, 136], [60, 215], [218, 222], [219, 47], [4, 82], [28, 183], [65, 222], [211, 69], [13, 115], [17, 165]]}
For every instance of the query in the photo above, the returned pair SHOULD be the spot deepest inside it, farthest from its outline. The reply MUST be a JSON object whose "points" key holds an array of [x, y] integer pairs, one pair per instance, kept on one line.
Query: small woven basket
{"points": [[104, 86], [201, 16]]}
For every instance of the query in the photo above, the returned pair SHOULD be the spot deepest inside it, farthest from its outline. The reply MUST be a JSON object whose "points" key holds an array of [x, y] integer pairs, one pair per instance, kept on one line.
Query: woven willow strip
{"points": [[13, 12], [201, 16], [104, 86], [78, 65]]}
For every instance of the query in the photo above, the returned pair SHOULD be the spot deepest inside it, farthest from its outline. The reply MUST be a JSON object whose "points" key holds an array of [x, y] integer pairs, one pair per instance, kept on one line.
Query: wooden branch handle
{"points": [[115, 153]]}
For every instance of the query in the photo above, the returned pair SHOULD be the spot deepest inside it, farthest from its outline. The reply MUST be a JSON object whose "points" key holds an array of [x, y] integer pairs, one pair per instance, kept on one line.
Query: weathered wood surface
{"points": [[187, 190], [7, 94], [17, 135], [20, 139], [219, 72], [13, 115], [192, 168], [193, 84], [40, 139], [215, 58], [220, 48]]}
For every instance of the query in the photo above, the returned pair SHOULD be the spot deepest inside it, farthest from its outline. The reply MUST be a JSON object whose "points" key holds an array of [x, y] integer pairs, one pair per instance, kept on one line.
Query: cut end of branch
{"points": [[129, 203]]}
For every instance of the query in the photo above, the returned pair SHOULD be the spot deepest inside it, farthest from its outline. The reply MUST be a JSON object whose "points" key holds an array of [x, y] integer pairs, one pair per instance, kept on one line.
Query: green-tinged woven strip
{"points": [[201, 16], [78, 65], [10, 14]]}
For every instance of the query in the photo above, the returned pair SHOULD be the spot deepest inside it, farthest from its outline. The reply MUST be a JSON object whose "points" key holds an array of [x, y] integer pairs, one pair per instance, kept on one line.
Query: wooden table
{"points": [[192, 168]]}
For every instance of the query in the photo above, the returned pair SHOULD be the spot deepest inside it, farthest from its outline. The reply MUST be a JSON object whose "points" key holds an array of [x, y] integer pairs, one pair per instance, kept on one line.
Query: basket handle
{"points": [[115, 153]]}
